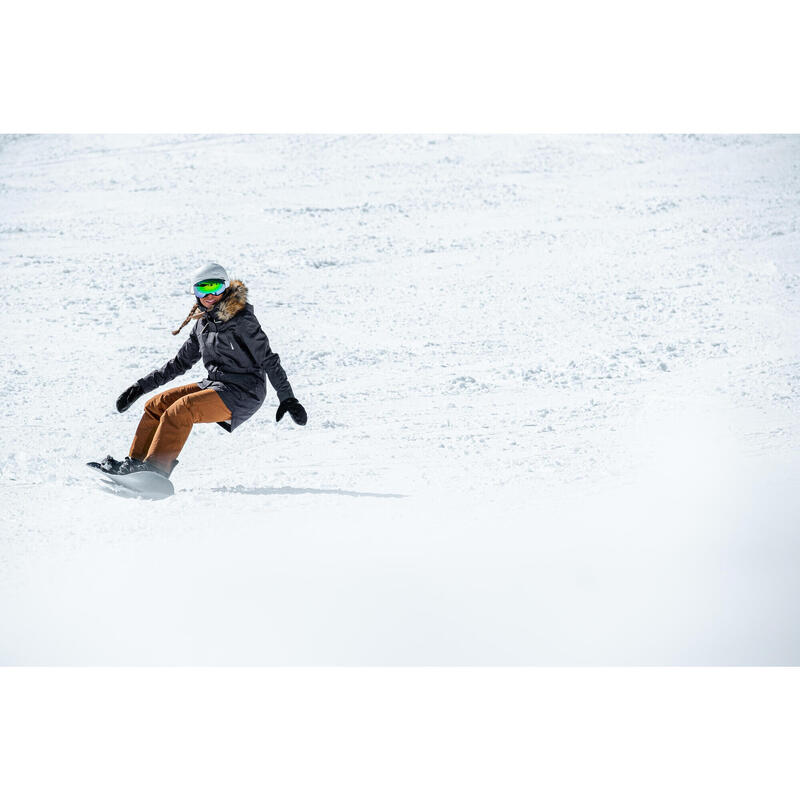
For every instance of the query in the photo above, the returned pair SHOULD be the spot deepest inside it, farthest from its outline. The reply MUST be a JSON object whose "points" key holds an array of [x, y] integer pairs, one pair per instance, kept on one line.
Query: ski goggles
{"points": [[204, 288]]}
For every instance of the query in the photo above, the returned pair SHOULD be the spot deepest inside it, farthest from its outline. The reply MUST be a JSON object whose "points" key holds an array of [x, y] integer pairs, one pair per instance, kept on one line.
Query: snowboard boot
{"points": [[129, 465], [165, 472], [134, 465], [108, 464]]}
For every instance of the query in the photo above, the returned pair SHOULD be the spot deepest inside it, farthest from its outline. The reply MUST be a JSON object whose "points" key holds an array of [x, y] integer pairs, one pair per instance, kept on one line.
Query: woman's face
{"points": [[210, 300]]}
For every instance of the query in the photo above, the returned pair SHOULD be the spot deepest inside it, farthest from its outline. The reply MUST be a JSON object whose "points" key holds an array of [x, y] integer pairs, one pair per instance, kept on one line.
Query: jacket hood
{"points": [[233, 301]]}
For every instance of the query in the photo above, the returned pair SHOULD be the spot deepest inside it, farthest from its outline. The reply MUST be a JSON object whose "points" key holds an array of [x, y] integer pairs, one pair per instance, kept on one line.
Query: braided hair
{"points": [[196, 312]]}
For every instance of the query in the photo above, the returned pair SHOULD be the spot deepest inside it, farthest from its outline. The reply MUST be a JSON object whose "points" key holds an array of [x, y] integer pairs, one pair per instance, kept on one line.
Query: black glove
{"points": [[296, 411], [129, 397]]}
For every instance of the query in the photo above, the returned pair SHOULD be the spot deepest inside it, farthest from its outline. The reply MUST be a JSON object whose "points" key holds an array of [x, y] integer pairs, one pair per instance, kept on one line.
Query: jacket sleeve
{"points": [[258, 344], [188, 355]]}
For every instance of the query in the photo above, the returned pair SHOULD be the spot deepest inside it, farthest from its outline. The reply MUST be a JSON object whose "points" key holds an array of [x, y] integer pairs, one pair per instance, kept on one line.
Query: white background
{"points": [[705, 69]]}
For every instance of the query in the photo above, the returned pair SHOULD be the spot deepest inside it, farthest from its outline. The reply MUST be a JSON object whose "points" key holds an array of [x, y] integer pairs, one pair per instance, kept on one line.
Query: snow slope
{"points": [[552, 385]]}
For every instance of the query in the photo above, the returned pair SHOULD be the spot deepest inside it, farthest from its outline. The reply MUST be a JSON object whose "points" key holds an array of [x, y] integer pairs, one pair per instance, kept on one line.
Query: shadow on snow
{"points": [[298, 490]]}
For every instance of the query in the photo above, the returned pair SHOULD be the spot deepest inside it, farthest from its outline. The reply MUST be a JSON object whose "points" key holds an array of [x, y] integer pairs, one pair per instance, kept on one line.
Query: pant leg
{"points": [[176, 425], [153, 410]]}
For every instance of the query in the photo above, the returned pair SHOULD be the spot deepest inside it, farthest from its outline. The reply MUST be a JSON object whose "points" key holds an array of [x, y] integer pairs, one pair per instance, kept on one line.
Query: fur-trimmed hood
{"points": [[233, 301]]}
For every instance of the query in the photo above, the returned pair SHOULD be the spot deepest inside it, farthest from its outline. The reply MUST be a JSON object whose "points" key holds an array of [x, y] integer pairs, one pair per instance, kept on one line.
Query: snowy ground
{"points": [[553, 389]]}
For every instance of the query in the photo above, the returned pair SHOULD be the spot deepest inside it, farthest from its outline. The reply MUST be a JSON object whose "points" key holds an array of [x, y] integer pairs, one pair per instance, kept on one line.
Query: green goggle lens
{"points": [[208, 287]]}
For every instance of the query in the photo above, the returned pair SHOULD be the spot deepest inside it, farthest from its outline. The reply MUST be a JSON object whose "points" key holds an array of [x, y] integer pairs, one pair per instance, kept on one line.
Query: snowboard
{"points": [[144, 485]]}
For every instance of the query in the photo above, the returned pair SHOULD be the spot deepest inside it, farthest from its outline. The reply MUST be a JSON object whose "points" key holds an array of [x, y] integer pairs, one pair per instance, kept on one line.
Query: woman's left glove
{"points": [[296, 411]]}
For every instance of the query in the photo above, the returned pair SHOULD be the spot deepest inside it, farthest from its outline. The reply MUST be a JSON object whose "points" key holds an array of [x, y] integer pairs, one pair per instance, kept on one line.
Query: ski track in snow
{"points": [[552, 385]]}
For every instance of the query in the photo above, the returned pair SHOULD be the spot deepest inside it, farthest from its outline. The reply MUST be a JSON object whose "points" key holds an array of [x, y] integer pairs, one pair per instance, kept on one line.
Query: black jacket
{"points": [[235, 352]]}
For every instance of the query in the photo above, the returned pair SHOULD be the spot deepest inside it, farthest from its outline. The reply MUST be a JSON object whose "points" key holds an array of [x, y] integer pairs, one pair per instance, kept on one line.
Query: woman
{"points": [[237, 355]]}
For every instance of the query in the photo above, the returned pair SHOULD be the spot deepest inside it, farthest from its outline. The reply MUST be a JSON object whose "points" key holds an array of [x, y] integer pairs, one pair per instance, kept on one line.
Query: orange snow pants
{"points": [[167, 422]]}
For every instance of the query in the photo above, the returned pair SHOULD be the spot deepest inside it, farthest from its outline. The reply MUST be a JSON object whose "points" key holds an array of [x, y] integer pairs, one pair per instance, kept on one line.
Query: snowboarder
{"points": [[237, 355]]}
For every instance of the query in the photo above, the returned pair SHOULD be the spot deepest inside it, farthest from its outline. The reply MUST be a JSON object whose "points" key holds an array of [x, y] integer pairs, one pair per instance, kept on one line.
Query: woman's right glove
{"points": [[129, 397]]}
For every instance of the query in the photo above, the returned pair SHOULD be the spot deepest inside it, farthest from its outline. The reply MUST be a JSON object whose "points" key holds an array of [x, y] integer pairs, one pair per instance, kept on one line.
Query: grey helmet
{"points": [[210, 271]]}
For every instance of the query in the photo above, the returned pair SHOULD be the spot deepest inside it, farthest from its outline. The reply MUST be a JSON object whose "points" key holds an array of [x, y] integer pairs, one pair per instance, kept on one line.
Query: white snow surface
{"points": [[552, 386]]}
